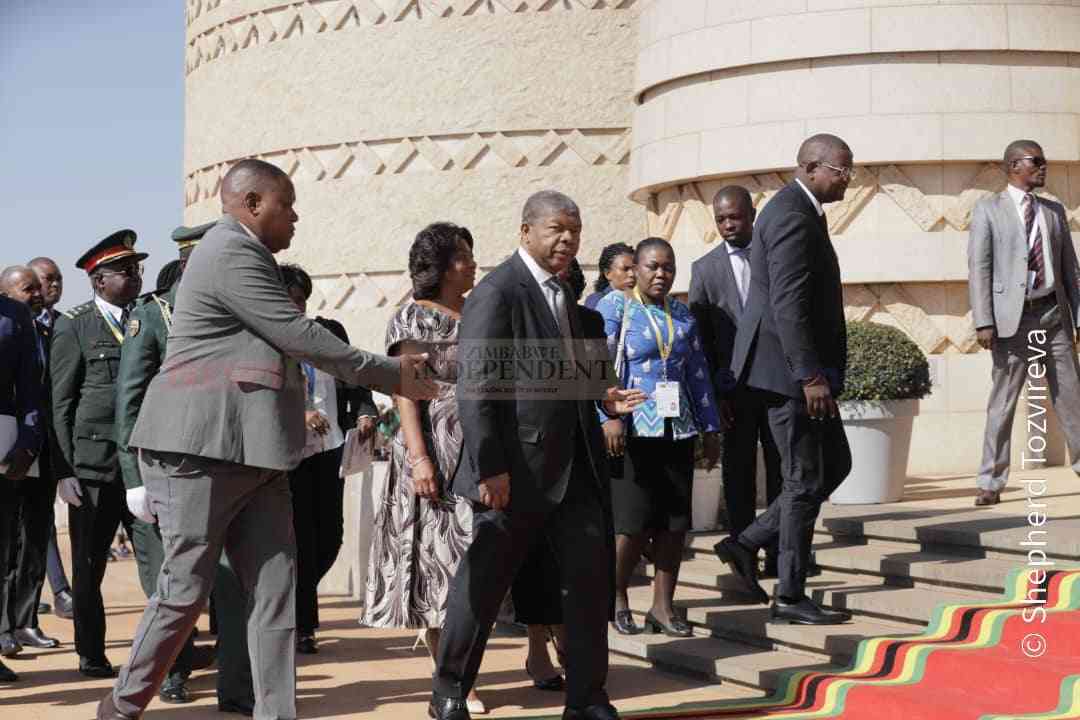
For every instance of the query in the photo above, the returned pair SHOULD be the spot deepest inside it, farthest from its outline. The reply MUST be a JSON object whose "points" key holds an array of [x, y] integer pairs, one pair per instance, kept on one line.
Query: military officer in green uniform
{"points": [[84, 364], [140, 359]]}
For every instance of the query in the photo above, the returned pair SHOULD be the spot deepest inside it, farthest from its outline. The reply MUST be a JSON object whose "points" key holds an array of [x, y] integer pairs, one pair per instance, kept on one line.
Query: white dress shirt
{"points": [[740, 265], [541, 276], [1019, 198], [814, 200], [116, 311]]}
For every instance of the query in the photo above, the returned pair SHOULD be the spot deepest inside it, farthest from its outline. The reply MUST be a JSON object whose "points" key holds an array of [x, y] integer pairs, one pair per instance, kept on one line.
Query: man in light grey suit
{"points": [[222, 423], [1025, 291]]}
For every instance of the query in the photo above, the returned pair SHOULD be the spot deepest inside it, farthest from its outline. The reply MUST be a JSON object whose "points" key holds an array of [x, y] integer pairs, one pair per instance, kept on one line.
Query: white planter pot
{"points": [[880, 437]]}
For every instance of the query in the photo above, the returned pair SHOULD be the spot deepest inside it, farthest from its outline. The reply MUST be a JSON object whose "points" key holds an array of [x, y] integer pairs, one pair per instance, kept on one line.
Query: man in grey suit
{"points": [[1025, 291], [221, 424]]}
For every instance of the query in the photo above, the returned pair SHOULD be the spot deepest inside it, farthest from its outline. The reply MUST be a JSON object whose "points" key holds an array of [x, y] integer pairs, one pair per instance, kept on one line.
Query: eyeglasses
{"points": [[133, 271], [1035, 160], [848, 173]]}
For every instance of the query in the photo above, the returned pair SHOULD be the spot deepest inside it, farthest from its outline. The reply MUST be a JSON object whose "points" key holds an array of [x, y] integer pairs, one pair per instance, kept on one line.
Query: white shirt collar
{"points": [[814, 200], [248, 230], [539, 274], [115, 310], [45, 318], [1016, 194]]}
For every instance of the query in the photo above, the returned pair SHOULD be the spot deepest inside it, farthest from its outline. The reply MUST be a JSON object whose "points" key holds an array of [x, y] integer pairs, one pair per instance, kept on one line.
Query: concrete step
{"points": [[863, 594], [749, 624], [717, 659]]}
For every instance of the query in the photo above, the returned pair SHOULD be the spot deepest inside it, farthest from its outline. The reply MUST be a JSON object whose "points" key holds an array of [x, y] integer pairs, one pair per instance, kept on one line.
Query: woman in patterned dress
{"points": [[422, 530], [662, 355]]}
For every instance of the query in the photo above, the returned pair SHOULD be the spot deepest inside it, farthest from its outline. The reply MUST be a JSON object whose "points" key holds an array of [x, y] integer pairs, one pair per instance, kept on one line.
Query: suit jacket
{"points": [[84, 363], [352, 401], [793, 327], [230, 387], [998, 264], [20, 376], [534, 440], [715, 303]]}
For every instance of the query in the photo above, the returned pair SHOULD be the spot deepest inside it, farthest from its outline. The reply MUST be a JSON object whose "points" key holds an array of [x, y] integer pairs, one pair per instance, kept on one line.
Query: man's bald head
{"points": [[820, 148], [21, 283], [733, 210], [250, 176], [261, 196], [735, 195]]}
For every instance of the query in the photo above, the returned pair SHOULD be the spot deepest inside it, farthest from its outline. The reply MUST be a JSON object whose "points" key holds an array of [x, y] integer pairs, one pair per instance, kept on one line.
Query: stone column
{"points": [[928, 94]]}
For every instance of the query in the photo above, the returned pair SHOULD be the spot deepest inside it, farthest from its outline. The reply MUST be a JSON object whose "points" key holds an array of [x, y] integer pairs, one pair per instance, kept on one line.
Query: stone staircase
{"points": [[890, 565]]}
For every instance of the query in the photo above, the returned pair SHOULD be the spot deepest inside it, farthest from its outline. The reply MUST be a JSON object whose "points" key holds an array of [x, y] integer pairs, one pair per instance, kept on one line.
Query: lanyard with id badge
{"points": [[666, 395]]}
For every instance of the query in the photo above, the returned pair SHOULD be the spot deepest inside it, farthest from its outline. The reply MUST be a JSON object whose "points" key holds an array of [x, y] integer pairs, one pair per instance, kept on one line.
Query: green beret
{"points": [[188, 236]]}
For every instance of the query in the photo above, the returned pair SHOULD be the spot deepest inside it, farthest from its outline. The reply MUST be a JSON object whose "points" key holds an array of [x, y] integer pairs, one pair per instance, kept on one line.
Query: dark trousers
{"points": [[9, 494], [815, 459], [92, 527], [33, 507], [740, 461], [579, 533], [319, 521], [536, 588]]}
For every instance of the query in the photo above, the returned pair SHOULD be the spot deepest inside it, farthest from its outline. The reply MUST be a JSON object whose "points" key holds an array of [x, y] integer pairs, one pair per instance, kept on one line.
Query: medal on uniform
{"points": [[133, 327]]}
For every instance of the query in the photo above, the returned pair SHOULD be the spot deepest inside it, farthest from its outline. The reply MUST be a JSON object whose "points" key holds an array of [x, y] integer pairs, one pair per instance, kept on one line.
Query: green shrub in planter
{"points": [[884, 364]]}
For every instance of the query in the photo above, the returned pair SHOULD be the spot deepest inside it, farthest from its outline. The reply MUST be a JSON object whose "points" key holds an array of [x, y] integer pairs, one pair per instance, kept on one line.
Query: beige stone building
{"points": [[390, 114]]}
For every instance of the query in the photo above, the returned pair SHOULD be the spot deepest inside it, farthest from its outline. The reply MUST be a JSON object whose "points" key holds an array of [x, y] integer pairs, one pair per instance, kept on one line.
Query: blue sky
{"points": [[91, 129]]}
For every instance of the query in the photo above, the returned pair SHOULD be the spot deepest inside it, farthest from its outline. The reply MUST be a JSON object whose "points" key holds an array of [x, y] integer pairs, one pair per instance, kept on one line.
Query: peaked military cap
{"points": [[118, 246], [186, 237]]}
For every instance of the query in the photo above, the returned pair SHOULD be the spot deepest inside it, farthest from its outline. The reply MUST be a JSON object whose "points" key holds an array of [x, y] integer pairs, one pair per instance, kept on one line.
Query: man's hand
{"points": [[414, 382], [365, 427], [316, 422], [621, 402], [614, 438], [139, 505], [819, 400], [711, 445], [495, 491], [70, 491], [21, 460], [985, 337], [726, 409], [425, 483]]}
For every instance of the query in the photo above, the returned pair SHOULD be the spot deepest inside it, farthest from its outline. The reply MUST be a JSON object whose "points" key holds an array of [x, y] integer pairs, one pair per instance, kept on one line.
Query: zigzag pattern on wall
{"points": [[432, 153], [293, 20]]}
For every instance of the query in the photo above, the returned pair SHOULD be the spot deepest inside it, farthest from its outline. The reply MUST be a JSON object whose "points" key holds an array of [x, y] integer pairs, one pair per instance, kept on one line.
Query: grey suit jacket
{"points": [[998, 264], [230, 386], [715, 303]]}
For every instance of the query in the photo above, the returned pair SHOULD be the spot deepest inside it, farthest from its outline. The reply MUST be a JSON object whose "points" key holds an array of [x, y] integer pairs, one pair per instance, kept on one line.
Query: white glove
{"points": [[70, 491], [139, 505]]}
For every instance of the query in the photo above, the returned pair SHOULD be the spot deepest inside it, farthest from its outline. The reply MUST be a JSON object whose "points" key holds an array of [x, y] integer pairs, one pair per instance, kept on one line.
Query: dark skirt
{"points": [[655, 489]]}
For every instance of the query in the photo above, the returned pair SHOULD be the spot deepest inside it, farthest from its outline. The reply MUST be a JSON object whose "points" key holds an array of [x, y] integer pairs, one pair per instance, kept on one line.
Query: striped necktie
{"points": [[1035, 253]]}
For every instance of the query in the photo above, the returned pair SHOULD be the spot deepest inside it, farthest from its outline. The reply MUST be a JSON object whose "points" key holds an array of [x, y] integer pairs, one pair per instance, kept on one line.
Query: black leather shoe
{"points": [[306, 644], [9, 646], [174, 690], [556, 683], [743, 564], [806, 612], [6, 675], [624, 623], [106, 710], [237, 707], [447, 708], [676, 628], [33, 637], [44, 608], [592, 712], [100, 668], [63, 605]]}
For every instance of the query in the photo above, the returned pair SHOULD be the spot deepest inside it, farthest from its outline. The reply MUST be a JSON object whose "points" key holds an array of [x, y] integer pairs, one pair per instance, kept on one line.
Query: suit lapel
{"points": [[537, 302], [730, 285], [1011, 220]]}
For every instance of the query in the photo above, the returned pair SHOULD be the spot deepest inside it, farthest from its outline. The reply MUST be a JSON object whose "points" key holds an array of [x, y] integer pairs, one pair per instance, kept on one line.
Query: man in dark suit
{"points": [[719, 291], [84, 362], [791, 346], [21, 433], [52, 289], [34, 505], [534, 462]]}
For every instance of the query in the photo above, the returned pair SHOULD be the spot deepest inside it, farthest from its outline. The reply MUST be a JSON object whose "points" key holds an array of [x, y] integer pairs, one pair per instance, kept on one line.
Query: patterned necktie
{"points": [[558, 304], [1035, 253]]}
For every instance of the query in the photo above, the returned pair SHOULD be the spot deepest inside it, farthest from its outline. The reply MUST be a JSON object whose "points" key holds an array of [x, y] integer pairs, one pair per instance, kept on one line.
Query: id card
{"points": [[667, 399]]}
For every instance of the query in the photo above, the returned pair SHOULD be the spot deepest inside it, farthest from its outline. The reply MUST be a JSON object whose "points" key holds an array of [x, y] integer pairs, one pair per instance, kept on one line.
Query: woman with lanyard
{"points": [[655, 342]]}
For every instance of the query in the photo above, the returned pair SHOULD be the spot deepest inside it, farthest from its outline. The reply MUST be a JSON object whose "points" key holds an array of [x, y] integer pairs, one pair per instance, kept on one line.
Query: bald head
{"points": [[819, 148], [733, 210], [826, 167], [19, 282], [261, 196], [250, 176], [545, 204], [732, 195]]}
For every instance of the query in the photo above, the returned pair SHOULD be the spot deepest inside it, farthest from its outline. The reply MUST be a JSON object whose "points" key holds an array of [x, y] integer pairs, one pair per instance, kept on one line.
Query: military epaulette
{"points": [[77, 310]]}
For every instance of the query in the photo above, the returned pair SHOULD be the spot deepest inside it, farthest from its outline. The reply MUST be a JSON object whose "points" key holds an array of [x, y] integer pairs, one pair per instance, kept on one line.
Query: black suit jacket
{"points": [[794, 324], [714, 301], [532, 438]]}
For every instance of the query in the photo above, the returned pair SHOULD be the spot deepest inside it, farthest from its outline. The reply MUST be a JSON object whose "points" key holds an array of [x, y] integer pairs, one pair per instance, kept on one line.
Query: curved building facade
{"points": [[390, 114], [928, 94]]}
